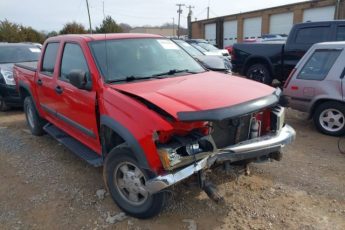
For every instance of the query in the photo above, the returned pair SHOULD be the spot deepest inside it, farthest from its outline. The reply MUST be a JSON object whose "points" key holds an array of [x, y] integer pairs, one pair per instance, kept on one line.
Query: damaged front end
{"points": [[246, 132]]}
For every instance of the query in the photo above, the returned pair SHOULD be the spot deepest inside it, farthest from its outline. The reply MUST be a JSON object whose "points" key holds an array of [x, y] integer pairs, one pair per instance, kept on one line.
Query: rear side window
{"points": [[72, 59], [312, 35], [319, 64], [50, 58], [341, 33]]}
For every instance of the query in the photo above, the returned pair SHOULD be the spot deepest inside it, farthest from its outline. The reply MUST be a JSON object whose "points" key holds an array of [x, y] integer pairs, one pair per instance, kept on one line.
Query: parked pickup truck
{"points": [[266, 61], [146, 111]]}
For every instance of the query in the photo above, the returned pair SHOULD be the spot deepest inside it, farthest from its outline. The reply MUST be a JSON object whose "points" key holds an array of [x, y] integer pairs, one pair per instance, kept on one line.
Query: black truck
{"points": [[266, 61]]}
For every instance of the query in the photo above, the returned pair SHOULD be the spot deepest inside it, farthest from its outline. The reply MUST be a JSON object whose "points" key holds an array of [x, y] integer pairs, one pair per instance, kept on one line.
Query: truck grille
{"points": [[231, 131]]}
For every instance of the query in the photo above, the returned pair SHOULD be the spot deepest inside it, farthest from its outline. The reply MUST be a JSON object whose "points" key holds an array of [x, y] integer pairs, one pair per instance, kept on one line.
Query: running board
{"points": [[74, 145]]}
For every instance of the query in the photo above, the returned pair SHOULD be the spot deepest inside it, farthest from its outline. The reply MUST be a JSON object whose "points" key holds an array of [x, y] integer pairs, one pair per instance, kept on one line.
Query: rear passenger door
{"points": [[77, 107], [45, 81]]}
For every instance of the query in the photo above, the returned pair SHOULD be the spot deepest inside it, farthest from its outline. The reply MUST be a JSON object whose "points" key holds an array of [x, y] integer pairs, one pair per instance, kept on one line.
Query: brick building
{"points": [[226, 30]]}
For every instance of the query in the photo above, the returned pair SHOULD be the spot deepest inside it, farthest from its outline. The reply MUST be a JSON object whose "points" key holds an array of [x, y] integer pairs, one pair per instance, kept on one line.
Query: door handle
{"points": [[58, 89], [39, 82]]}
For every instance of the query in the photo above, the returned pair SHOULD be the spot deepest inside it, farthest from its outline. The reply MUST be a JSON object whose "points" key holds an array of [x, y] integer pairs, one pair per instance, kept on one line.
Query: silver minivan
{"points": [[316, 86]]}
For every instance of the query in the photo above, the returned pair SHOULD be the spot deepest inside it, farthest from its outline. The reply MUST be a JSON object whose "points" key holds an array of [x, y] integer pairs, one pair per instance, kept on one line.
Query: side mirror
{"points": [[79, 79]]}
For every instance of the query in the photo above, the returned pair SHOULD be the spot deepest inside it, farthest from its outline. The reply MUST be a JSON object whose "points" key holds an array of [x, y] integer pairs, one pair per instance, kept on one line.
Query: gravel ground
{"points": [[44, 186]]}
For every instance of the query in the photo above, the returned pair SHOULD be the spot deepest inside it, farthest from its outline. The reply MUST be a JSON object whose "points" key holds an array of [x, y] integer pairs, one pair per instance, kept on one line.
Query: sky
{"points": [[48, 15]]}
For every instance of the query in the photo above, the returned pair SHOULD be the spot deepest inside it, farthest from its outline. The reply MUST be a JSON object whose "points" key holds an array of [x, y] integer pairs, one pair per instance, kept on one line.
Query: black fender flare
{"points": [[27, 88], [126, 135]]}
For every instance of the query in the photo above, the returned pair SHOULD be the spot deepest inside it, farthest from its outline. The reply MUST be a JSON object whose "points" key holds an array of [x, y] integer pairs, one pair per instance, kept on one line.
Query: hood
{"points": [[205, 92], [216, 63]]}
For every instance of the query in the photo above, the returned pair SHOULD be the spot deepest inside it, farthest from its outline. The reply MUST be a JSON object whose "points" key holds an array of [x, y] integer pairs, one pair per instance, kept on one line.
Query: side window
{"points": [[312, 35], [50, 58], [72, 58], [340, 33], [319, 64]]}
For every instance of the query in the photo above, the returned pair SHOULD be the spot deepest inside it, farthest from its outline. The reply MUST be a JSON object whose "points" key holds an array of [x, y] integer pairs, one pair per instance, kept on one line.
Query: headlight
{"points": [[8, 76], [169, 157]]}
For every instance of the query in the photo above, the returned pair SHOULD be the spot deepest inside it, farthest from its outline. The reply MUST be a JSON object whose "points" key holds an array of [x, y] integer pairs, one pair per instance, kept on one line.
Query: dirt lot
{"points": [[44, 186]]}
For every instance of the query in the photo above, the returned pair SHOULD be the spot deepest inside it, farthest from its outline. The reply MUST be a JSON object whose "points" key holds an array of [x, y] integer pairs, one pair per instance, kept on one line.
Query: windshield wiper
{"points": [[132, 78], [172, 72]]}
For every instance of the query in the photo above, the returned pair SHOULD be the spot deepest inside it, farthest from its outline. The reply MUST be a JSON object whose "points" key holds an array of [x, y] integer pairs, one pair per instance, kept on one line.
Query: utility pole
{"points": [[208, 12], [88, 12], [189, 21], [179, 11], [173, 32]]}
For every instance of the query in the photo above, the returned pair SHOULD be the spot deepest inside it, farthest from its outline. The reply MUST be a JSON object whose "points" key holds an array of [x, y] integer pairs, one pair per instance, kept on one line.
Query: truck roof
{"points": [[99, 37]]}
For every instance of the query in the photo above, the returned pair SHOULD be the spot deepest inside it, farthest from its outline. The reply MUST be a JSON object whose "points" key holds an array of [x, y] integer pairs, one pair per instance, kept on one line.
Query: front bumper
{"points": [[10, 95], [254, 148]]}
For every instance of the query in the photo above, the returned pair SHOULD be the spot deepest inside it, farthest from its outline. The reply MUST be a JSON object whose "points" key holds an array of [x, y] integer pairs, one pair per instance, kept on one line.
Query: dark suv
{"points": [[11, 53]]}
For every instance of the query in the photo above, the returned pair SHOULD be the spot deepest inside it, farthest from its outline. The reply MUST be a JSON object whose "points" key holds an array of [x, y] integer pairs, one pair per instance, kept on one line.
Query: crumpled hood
{"points": [[195, 93]]}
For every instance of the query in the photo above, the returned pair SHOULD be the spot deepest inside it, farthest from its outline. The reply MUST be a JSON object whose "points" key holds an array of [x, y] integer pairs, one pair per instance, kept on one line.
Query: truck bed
{"points": [[243, 52], [28, 65]]}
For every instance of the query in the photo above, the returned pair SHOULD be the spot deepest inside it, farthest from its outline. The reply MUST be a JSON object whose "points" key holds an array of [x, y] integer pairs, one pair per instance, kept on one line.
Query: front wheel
{"points": [[260, 73], [126, 183], [329, 118]]}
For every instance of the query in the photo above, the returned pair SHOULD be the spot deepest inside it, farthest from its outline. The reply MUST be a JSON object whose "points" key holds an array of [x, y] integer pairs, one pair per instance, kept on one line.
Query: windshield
{"points": [[188, 48], [207, 46], [126, 59], [15, 54]]}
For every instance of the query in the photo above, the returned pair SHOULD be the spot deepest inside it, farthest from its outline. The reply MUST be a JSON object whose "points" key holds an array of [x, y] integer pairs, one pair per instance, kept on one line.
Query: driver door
{"points": [[76, 108]]}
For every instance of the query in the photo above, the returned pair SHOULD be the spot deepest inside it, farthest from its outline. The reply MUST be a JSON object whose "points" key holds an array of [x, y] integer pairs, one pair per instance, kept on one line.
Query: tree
{"points": [[28, 34], [125, 27], [51, 34], [9, 32], [73, 28], [109, 26]]}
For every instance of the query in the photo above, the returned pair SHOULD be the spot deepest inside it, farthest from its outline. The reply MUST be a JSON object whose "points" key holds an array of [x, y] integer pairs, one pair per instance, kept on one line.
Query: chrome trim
{"points": [[266, 143]]}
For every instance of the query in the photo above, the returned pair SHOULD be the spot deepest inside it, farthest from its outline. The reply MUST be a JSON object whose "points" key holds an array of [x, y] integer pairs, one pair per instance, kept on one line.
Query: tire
{"points": [[122, 175], [329, 118], [3, 106], [33, 120], [260, 73]]}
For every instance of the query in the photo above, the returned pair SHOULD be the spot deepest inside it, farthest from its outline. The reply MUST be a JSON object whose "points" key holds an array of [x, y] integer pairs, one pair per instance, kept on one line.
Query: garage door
{"points": [[319, 14], [230, 32], [210, 33], [281, 23], [252, 27]]}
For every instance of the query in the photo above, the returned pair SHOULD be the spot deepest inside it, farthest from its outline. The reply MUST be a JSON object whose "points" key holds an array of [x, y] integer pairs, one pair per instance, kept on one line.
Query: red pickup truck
{"points": [[146, 111]]}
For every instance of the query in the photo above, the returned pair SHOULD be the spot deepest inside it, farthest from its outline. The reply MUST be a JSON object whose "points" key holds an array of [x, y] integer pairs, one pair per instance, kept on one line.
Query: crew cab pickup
{"points": [[267, 61], [146, 111]]}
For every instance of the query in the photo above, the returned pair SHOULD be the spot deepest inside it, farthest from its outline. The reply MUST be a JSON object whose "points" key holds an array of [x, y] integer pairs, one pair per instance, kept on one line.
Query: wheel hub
{"points": [[332, 120], [130, 183]]}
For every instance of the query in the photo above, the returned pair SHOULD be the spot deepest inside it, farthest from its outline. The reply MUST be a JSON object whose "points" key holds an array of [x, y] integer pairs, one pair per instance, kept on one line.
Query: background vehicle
{"points": [[11, 53], [316, 87], [211, 62], [143, 108], [274, 60], [207, 48]]}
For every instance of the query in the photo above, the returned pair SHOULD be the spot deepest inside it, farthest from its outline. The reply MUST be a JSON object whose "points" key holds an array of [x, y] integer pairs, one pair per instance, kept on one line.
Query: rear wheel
{"points": [[126, 183], [34, 121], [3, 106], [329, 118], [260, 73]]}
